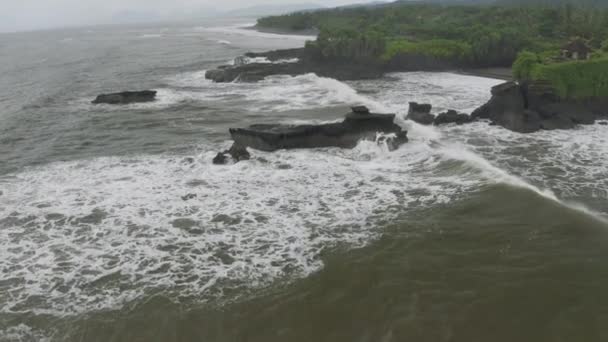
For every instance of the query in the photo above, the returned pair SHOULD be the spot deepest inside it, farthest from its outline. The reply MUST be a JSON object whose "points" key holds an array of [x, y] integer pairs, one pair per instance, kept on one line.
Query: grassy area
{"points": [[576, 80]]}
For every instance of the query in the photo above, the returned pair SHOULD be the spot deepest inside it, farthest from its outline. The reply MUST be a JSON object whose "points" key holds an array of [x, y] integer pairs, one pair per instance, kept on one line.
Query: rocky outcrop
{"points": [[312, 60], [358, 125], [126, 97], [452, 117], [254, 72], [421, 113], [305, 62], [532, 107]]}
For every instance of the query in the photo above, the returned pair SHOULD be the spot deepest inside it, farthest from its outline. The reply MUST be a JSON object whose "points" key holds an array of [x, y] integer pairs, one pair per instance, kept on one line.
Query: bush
{"points": [[452, 50], [577, 79], [524, 65]]}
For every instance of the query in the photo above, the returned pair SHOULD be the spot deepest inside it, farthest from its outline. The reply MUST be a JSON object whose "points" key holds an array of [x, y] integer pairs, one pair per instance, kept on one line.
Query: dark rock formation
{"points": [[237, 152], [394, 141], [603, 123], [306, 64], [312, 60], [452, 116], [421, 113], [220, 159], [529, 108], [358, 125], [255, 72], [360, 110], [126, 97]]}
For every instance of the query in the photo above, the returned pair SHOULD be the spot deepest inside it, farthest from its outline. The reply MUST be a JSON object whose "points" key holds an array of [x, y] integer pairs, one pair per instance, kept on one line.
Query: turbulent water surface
{"points": [[114, 225]]}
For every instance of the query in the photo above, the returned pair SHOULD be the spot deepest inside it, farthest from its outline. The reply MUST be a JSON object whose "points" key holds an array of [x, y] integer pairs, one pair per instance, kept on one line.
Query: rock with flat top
{"points": [[357, 126], [421, 113], [452, 117], [126, 97]]}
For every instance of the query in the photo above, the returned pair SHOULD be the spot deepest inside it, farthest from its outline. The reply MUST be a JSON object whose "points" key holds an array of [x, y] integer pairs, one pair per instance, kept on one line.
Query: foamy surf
{"points": [[274, 94], [104, 232], [247, 30]]}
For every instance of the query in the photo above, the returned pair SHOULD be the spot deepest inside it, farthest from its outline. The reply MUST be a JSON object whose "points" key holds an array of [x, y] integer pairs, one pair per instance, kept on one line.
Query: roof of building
{"points": [[577, 45]]}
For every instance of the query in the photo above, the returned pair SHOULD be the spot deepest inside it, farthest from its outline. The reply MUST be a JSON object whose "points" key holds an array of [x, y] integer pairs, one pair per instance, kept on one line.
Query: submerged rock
{"points": [[421, 113], [188, 197], [126, 97], [358, 125]]}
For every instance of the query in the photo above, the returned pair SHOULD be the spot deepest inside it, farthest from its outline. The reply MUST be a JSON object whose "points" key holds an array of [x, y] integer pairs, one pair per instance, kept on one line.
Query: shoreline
{"points": [[505, 74], [311, 32], [499, 73]]}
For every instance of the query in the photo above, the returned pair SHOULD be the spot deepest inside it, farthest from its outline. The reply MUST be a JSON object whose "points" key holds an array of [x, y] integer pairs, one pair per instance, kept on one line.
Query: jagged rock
{"points": [[346, 134], [239, 152], [421, 113], [507, 108], [220, 159], [506, 97], [126, 97], [393, 142], [452, 116], [531, 107]]}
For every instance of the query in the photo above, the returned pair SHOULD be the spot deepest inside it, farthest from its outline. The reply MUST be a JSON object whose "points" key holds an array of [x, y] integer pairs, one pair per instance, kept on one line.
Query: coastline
{"points": [[499, 73], [505, 74], [310, 32]]}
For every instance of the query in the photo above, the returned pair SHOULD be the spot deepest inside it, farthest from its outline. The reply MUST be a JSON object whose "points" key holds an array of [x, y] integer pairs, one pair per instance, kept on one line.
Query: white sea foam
{"points": [[21, 333], [569, 162], [94, 235], [264, 60], [559, 165], [274, 94], [244, 30]]}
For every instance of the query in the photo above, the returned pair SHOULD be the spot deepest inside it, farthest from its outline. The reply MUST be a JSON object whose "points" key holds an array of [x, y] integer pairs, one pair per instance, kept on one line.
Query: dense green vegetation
{"points": [[570, 79], [467, 35], [439, 48], [492, 34]]}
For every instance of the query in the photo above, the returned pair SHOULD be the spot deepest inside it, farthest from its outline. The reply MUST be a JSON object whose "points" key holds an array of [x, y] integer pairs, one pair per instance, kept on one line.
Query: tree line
{"points": [[481, 35]]}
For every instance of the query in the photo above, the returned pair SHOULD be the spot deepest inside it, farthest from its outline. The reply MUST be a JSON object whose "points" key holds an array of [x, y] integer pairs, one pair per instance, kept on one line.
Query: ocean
{"points": [[115, 225]]}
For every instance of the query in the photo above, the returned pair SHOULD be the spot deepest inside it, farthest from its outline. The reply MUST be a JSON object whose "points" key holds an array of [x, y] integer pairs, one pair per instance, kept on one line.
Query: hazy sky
{"points": [[18, 15]]}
